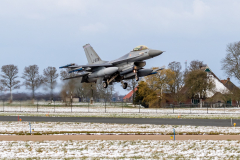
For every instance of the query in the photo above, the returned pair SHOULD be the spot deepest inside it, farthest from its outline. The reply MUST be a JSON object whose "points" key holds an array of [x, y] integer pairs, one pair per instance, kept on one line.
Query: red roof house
{"points": [[128, 97]]}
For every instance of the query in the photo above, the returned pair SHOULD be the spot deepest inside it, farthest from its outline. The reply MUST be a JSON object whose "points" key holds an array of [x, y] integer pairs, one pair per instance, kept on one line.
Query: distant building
{"points": [[222, 91], [74, 100], [129, 96]]}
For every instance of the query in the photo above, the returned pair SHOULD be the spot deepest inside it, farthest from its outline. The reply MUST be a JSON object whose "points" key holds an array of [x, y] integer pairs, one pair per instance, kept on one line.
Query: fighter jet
{"points": [[129, 66]]}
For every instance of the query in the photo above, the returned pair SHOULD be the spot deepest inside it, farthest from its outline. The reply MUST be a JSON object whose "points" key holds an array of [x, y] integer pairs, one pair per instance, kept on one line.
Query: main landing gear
{"points": [[124, 85], [106, 83]]}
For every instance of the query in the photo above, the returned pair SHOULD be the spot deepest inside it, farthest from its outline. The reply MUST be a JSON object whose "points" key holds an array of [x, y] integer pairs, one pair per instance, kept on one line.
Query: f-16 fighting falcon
{"points": [[126, 67]]}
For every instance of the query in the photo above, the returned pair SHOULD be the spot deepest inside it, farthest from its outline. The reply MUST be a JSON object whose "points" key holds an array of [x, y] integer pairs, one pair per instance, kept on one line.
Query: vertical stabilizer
{"points": [[91, 55]]}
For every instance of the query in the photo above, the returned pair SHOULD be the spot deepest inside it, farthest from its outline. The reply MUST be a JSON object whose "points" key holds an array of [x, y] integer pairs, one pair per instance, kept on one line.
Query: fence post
{"points": [[174, 133], [224, 107], [207, 108], [122, 105], [139, 106], [105, 106], [190, 108], [88, 106]]}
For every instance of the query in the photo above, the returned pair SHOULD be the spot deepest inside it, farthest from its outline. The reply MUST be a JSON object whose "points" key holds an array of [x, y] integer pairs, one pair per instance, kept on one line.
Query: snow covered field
{"points": [[102, 149], [107, 128], [118, 109]]}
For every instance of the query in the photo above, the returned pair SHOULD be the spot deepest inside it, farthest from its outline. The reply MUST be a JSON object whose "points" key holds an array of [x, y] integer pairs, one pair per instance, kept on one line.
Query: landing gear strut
{"points": [[136, 78], [106, 83], [136, 75]]}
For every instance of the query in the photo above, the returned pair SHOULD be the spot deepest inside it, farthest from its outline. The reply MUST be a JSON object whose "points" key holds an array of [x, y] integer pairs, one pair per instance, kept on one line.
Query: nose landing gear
{"points": [[105, 85], [136, 75], [136, 78], [124, 85]]}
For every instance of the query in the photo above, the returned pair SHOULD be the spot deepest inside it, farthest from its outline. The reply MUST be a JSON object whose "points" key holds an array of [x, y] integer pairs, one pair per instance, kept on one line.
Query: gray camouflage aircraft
{"points": [[126, 67]]}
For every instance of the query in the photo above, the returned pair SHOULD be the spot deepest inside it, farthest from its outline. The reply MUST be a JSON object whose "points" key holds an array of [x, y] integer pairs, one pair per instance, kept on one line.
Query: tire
{"points": [[125, 85], [137, 78], [105, 85]]}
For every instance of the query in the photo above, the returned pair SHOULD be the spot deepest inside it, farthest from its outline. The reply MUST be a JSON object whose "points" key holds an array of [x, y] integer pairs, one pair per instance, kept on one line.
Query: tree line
{"points": [[32, 79]]}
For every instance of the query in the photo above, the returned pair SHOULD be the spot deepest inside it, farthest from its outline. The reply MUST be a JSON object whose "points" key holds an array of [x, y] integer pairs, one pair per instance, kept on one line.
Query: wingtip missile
{"points": [[155, 70], [68, 65]]}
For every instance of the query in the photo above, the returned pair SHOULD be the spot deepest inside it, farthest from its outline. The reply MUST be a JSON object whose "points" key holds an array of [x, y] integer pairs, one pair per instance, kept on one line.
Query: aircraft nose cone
{"points": [[154, 53]]}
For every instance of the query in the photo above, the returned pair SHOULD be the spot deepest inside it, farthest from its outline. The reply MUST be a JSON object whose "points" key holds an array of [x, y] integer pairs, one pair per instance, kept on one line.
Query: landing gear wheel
{"points": [[105, 85], [136, 78], [125, 85]]}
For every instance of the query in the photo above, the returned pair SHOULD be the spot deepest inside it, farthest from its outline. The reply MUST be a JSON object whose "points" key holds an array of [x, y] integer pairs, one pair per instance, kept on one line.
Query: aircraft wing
{"points": [[80, 68], [78, 76], [73, 66], [92, 65]]}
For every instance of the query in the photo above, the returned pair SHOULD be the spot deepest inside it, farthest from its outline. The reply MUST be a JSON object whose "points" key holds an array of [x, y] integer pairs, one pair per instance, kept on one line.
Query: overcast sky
{"points": [[52, 32]]}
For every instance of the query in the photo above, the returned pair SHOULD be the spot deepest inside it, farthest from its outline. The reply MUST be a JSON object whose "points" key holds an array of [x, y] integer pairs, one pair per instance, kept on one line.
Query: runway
{"points": [[157, 121], [115, 137]]}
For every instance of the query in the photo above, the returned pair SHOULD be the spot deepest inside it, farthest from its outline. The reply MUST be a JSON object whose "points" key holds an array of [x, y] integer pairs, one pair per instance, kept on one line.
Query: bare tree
{"points": [[32, 78], [1, 87], [65, 73], [111, 91], [231, 63], [177, 82], [84, 90], [195, 65], [104, 93], [9, 78], [50, 78]]}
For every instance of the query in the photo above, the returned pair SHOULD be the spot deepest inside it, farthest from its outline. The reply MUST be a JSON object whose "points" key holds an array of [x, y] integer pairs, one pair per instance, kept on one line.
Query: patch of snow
{"points": [[109, 149]]}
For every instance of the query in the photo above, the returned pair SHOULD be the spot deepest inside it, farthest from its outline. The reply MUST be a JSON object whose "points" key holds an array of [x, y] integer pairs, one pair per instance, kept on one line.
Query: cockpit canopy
{"points": [[139, 48]]}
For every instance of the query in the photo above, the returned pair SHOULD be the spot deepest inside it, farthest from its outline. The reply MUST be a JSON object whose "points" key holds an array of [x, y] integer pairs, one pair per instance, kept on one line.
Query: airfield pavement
{"points": [[157, 121], [114, 137]]}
